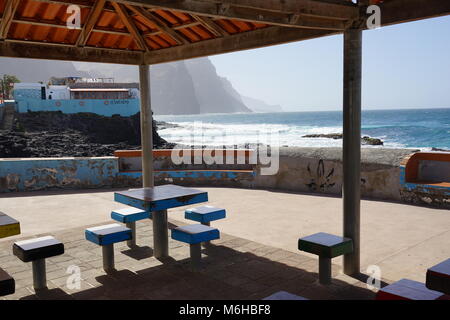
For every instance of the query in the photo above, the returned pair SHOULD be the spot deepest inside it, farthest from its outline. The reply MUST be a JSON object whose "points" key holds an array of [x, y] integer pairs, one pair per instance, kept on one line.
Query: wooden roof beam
{"points": [[225, 10], [159, 23], [398, 11], [344, 10], [90, 23], [7, 18], [40, 50], [129, 24], [237, 42], [211, 26]]}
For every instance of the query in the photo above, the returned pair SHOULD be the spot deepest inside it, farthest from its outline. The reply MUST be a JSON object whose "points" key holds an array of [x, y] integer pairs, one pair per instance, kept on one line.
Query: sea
{"points": [[422, 129]]}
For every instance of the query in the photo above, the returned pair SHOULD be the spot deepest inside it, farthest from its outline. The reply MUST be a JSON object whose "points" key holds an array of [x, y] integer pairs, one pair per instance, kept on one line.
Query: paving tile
{"points": [[232, 268]]}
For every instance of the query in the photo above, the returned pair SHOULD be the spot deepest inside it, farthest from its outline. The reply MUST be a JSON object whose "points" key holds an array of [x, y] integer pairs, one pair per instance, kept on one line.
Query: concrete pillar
{"points": [[351, 187], [108, 257], [196, 256], [160, 234], [39, 274], [146, 127], [324, 270], [132, 226]]}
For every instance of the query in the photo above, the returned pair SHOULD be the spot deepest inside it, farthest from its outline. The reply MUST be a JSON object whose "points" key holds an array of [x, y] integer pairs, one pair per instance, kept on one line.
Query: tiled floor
{"points": [[233, 268]]}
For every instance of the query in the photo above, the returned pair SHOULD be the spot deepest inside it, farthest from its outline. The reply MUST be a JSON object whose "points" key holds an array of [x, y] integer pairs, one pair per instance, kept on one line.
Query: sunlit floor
{"points": [[403, 240]]}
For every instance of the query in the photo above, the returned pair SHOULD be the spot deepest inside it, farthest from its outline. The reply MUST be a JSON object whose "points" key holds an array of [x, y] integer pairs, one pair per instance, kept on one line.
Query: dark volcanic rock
{"points": [[439, 149], [55, 134], [371, 141], [323, 135], [364, 140]]}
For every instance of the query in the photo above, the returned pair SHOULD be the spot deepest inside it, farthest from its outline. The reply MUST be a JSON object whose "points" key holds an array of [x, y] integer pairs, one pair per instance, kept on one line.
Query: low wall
{"points": [[311, 170], [108, 107], [57, 173], [319, 170]]}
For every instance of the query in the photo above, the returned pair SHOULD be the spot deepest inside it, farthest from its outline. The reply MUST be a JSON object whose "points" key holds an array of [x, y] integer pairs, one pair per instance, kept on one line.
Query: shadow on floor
{"points": [[226, 274]]}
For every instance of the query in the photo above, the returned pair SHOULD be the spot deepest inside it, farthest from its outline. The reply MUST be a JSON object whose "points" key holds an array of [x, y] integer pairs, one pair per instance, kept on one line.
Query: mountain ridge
{"points": [[183, 87]]}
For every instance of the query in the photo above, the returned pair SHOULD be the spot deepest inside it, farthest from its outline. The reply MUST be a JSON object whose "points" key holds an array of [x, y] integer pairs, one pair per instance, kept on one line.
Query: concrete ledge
{"points": [[310, 170]]}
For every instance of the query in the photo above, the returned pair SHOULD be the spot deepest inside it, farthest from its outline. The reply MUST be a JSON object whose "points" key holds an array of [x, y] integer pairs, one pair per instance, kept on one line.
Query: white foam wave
{"points": [[201, 133]]}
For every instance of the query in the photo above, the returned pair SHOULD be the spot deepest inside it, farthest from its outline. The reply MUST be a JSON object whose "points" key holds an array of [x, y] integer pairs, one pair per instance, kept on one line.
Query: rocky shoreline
{"points": [[54, 134], [365, 140]]}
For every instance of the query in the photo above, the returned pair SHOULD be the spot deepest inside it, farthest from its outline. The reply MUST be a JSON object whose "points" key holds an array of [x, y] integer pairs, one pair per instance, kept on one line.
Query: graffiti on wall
{"points": [[320, 179]]}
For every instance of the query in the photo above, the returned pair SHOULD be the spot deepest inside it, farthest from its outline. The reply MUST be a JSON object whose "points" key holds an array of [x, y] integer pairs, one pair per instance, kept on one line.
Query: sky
{"points": [[404, 66]]}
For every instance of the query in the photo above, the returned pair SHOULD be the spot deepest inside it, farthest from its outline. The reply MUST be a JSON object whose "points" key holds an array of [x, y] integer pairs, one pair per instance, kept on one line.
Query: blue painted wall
{"points": [[39, 174], [125, 107]]}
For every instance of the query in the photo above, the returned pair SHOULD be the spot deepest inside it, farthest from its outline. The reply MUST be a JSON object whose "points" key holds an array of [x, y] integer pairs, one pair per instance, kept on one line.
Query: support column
{"points": [[351, 187], [160, 234], [132, 226], [108, 257], [196, 256], [146, 127], [39, 274]]}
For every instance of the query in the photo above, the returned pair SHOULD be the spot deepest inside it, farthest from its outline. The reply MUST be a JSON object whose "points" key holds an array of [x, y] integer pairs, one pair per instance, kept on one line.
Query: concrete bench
{"points": [[129, 216], [438, 277], [283, 295], [326, 246], [406, 289], [105, 236], [36, 251], [194, 235], [7, 283], [205, 214], [8, 226]]}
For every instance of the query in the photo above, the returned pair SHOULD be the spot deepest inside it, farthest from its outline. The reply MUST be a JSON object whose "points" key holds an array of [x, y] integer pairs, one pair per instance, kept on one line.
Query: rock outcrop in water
{"points": [[366, 140], [55, 134]]}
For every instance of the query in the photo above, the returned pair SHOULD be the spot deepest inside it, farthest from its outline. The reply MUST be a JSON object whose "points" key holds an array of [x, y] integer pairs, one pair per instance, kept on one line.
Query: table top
{"points": [[161, 197]]}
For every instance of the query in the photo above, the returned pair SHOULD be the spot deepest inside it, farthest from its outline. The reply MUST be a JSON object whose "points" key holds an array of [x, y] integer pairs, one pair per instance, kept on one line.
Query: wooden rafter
{"points": [[7, 18], [92, 19], [397, 11], [314, 14], [129, 24], [158, 22], [236, 42], [210, 25], [57, 24]]}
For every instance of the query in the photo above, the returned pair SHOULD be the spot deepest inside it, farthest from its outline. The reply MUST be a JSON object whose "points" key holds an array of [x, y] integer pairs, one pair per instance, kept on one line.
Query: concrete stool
{"points": [[438, 277], [105, 236], [406, 289], [194, 235], [129, 216], [326, 246], [283, 295], [7, 283], [36, 251], [205, 214], [8, 226]]}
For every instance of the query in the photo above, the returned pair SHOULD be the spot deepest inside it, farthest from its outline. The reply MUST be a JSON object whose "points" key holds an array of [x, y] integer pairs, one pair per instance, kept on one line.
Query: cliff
{"points": [[185, 87]]}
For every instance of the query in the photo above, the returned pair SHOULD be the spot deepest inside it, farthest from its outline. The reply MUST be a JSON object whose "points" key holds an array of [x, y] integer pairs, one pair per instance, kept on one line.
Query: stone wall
{"points": [[57, 173], [319, 170], [309, 170]]}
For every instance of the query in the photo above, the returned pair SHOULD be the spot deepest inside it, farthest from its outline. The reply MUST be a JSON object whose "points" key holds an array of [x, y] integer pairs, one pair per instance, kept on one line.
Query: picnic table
{"points": [[158, 200]]}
